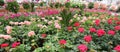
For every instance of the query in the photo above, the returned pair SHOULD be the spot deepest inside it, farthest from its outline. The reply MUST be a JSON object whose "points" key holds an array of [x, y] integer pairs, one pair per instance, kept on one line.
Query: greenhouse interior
{"points": [[59, 25]]}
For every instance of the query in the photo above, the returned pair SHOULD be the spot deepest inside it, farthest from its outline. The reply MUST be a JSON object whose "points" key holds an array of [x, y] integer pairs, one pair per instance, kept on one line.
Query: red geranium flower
{"points": [[43, 35], [4, 45], [117, 48], [118, 22], [109, 21], [116, 18], [92, 30], [97, 22], [82, 48], [76, 24], [88, 38], [62, 42], [111, 32], [117, 27], [81, 30], [15, 44], [69, 28], [100, 32]]}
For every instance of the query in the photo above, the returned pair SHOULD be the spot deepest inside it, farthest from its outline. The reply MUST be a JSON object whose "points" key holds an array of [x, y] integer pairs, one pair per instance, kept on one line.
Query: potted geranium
{"points": [[12, 6], [26, 5]]}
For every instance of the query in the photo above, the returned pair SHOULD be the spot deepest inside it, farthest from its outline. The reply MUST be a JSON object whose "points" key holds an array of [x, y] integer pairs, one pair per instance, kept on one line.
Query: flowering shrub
{"points": [[12, 6]]}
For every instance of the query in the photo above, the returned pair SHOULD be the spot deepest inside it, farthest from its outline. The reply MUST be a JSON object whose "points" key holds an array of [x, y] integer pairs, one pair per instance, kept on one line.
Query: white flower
{"points": [[57, 26], [56, 21], [45, 20], [40, 25], [53, 18], [44, 26], [11, 22]]}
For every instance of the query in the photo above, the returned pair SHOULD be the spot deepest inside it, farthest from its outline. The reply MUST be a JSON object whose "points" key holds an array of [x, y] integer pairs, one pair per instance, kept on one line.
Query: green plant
{"points": [[82, 6], [90, 5], [42, 4], [26, 6], [1, 2], [13, 6], [57, 5], [51, 5], [66, 16], [29, 6], [67, 5], [32, 7], [21, 48], [75, 5]]}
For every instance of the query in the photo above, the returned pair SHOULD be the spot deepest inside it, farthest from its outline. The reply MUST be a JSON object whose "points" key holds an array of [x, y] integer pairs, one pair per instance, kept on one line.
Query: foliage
{"points": [[57, 5], [66, 17], [42, 3], [82, 6], [32, 7], [26, 6], [1, 2], [51, 5], [12, 6], [29, 6], [90, 5], [67, 4]]}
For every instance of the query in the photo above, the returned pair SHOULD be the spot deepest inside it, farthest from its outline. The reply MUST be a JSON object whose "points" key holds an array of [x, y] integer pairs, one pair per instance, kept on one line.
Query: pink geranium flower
{"points": [[111, 32], [15, 44], [43, 35], [9, 0], [88, 38], [76, 24], [82, 48], [81, 30], [57, 26], [97, 22], [5, 36], [4, 45], [100, 32], [62, 42], [69, 28], [109, 21], [117, 27], [117, 48], [27, 22], [9, 29], [92, 30], [31, 33]]}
